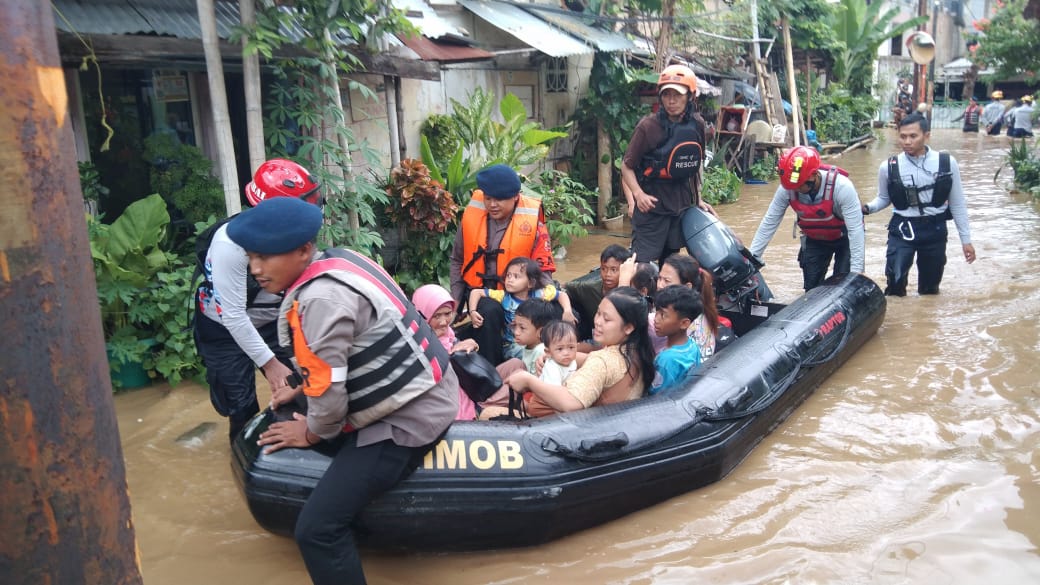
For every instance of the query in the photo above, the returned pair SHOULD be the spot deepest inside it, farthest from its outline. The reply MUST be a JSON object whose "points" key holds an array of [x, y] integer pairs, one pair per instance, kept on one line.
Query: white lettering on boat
{"points": [[481, 454]]}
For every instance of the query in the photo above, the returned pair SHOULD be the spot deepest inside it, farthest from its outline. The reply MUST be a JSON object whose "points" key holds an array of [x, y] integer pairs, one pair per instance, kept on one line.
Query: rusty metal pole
{"points": [[64, 506]]}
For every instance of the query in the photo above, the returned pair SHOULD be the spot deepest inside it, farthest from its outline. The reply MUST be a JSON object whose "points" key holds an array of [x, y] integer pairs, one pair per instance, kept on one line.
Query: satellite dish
{"points": [[922, 47]]}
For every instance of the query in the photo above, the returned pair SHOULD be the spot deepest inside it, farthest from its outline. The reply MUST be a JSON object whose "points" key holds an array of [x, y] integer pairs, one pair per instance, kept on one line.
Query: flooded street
{"points": [[910, 464]]}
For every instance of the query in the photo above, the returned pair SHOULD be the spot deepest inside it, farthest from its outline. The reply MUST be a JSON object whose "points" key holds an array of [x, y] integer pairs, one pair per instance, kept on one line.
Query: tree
{"points": [[305, 117], [863, 29], [1011, 45]]}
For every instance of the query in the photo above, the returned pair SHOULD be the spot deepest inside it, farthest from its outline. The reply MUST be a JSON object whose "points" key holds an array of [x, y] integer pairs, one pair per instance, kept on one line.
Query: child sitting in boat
{"points": [[561, 343], [435, 304], [531, 317], [686, 271], [676, 307], [620, 371], [523, 279]]}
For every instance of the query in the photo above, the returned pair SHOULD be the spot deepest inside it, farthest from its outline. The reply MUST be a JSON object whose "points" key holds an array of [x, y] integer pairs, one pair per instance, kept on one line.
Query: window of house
{"points": [[556, 75]]}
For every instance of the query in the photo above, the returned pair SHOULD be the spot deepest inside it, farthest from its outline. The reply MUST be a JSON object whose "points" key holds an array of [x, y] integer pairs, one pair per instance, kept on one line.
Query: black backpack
{"points": [[202, 243]]}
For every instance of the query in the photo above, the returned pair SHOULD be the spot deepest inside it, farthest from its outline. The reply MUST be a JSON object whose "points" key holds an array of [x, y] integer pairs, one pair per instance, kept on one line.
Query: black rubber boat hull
{"points": [[494, 485]]}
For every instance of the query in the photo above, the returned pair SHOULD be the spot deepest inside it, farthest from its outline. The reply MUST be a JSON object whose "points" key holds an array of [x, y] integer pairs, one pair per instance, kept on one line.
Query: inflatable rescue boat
{"points": [[505, 484]]}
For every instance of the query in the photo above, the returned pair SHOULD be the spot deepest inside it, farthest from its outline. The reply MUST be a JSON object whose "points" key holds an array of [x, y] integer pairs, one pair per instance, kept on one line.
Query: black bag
{"points": [[477, 377]]}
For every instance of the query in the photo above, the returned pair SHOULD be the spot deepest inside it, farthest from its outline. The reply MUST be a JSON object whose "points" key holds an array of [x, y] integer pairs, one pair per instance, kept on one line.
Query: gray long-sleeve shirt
{"points": [[227, 267], [846, 206], [992, 112], [921, 171]]}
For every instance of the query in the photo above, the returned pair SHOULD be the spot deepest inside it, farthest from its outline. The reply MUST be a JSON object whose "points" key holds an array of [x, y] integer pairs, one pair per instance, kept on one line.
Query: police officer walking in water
{"points": [[924, 188], [662, 165]]}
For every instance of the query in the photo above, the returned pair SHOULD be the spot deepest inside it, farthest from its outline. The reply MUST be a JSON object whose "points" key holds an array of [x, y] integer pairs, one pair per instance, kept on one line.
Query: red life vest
{"points": [[817, 220]]}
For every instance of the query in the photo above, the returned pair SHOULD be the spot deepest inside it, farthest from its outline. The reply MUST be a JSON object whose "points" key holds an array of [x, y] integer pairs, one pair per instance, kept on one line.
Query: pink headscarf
{"points": [[430, 297], [427, 299]]}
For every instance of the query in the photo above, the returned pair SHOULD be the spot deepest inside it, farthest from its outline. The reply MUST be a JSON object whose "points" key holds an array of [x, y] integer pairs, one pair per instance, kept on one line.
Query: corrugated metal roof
{"points": [[423, 16], [174, 18], [603, 40], [527, 27], [430, 50]]}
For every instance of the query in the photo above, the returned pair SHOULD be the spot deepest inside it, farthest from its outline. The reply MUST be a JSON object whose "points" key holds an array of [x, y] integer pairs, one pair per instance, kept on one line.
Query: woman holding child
{"points": [[620, 371]]}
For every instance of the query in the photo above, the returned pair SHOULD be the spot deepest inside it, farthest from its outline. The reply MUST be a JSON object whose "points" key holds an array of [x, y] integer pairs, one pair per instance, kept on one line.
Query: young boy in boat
{"points": [[618, 372], [383, 417], [676, 308], [586, 293]]}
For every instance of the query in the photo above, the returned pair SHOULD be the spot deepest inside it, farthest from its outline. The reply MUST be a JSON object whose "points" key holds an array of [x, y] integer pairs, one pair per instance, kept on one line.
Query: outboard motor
{"points": [[734, 269]]}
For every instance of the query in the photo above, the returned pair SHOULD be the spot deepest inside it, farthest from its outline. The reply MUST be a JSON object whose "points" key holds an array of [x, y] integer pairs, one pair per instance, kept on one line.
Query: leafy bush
{"points": [[839, 116], [166, 307], [439, 130], [1025, 162], [90, 183], [183, 175], [721, 185], [425, 213], [127, 257], [764, 168], [567, 206]]}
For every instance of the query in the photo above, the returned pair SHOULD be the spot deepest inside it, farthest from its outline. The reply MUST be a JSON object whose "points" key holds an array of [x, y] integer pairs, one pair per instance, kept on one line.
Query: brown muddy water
{"points": [[916, 462]]}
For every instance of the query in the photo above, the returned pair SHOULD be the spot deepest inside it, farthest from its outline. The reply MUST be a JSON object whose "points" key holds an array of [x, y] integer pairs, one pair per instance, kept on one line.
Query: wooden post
{"points": [[251, 82], [808, 92], [64, 504], [219, 106], [792, 87], [605, 171]]}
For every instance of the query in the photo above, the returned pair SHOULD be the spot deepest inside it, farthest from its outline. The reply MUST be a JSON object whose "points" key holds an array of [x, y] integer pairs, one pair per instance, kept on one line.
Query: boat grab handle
{"points": [[594, 448]]}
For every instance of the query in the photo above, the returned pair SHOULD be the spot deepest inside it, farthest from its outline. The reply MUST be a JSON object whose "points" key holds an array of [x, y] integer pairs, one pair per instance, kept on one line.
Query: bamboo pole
{"points": [[792, 87], [251, 82], [605, 171], [219, 106]]}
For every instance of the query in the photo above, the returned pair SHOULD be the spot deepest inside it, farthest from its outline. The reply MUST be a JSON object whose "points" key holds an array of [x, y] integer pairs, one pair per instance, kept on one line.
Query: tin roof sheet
{"points": [[581, 27], [527, 27]]}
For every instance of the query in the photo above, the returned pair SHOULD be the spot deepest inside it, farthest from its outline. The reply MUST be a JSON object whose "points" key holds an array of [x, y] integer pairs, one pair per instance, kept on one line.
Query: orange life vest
{"points": [[520, 239]]}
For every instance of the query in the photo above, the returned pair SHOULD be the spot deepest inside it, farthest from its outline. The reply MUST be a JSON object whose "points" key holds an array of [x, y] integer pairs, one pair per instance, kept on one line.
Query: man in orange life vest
{"points": [[829, 215], [661, 168], [499, 224], [378, 385]]}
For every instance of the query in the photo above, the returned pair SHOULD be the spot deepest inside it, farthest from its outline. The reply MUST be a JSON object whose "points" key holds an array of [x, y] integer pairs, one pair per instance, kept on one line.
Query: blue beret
{"points": [[499, 182], [276, 226]]}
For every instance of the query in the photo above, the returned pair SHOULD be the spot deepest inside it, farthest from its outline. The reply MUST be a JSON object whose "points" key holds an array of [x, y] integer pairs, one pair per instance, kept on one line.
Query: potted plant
{"points": [[615, 218], [90, 185], [424, 212], [127, 257]]}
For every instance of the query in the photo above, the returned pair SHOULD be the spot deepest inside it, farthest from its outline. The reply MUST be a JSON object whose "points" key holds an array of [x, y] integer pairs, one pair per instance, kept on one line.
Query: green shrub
{"points": [[721, 185], [567, 205], [440, 132], [1025, 162]]}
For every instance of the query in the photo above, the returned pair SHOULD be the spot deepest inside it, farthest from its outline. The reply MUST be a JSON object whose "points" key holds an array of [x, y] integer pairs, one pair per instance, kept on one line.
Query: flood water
{"points": [[916, 462]]}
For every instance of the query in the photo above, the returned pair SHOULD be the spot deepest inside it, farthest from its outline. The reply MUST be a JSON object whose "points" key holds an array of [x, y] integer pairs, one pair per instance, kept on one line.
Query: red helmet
{"points": [[282, 178], [797, 166], [678, 77]]}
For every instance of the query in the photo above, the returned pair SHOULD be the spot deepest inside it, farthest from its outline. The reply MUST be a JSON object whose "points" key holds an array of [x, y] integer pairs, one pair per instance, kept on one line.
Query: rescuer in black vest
{"points": [[924, 188], [661, 168]]}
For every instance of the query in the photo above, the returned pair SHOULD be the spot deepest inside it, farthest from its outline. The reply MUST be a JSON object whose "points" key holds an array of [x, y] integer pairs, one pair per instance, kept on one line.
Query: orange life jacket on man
{"points": [[521, 239]]}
